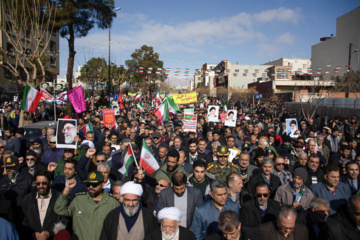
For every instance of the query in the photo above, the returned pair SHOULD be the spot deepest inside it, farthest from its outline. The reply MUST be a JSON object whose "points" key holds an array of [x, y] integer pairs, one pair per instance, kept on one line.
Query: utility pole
{"points": [[348, 76]]}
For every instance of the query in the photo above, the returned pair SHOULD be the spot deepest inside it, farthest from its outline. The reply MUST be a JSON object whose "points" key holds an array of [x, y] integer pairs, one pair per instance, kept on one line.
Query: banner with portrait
{"points": [[213, 113], [292, 127], [230, 120], [109, 118], [66, 134]]}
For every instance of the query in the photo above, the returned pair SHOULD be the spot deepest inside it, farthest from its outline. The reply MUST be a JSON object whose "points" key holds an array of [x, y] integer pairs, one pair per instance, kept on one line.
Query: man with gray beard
{"points": [[170, 229], [130, 220], [37, 147]]}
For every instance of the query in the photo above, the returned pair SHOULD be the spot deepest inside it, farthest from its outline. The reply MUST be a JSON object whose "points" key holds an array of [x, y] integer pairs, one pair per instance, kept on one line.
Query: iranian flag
{"points": [[173, 108], [162, 112], [140, 106], [137, 97], [338, 68], [147, 160], [158, 97], [87, 128], [129, 159], [30, 99], [121, 101]]}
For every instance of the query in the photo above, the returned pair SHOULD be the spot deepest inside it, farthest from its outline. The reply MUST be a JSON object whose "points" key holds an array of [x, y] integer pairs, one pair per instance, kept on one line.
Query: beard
{"points": [[95, 193], [243, 165], [69, 138], [37, 150], [169, 235], [131, 212], [43, 191], [261, 202]]}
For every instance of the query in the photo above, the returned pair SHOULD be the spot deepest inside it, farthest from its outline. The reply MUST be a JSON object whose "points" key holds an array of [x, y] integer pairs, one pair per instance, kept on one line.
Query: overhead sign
{"points": [[257, 95], [116, 96]]}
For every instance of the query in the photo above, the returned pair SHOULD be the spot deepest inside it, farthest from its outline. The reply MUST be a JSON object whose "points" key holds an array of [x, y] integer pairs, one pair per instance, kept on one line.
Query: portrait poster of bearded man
{"points": [[66, 134]]}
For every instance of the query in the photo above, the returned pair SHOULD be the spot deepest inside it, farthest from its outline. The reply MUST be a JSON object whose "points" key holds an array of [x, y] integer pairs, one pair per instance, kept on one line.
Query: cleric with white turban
{"points": [[171, 213], [132, 188]]}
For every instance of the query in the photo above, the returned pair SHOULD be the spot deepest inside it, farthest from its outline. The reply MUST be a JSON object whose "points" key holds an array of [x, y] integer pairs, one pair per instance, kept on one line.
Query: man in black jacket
{"points": [[231, 228], [345, 224], [261, 209], [130, 220], [38, 207], [170, 218]]}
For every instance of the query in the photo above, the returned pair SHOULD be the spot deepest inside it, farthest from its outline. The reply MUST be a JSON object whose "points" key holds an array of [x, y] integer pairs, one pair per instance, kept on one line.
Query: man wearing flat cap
{"points": [[170, 218], [33, 166], [88, 209], [295, 193], [130, 220]]}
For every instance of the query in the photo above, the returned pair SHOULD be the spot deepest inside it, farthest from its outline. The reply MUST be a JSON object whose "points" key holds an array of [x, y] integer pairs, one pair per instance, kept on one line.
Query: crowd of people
{"points": [[252, 181]]}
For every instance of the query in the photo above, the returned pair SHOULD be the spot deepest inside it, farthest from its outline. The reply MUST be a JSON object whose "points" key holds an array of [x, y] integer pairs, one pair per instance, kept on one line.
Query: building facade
{"points": [[332, 55]]}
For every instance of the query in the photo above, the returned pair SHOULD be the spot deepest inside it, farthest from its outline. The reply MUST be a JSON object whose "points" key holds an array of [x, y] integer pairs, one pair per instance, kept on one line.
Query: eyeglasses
{"points": [[52, 142], [285, 228], [68, 151], [42, 183], [2, 147], [158, 184], [100, 161], [67, 129], [30, 159], [94, 185], [280, 164], [259, 195], [155, 138]]}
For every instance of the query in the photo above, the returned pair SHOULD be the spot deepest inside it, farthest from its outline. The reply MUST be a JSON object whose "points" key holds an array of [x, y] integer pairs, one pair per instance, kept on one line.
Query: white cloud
{"points": [[281, 14], [285, 38], [274, 48]]}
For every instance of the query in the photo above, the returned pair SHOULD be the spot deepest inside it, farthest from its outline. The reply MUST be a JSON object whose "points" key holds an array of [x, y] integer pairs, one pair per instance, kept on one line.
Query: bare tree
{"points": [[27, 26], [244, 95], [311, 93]]}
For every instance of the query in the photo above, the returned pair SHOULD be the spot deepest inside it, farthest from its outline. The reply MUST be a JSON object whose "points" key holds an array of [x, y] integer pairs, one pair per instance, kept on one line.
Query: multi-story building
{"points": [[296, 64], [8, 83], [332, 55]]}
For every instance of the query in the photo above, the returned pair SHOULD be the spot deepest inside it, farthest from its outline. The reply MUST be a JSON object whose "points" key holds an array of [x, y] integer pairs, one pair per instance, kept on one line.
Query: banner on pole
{"points": [[76, 97], [109, 118]]}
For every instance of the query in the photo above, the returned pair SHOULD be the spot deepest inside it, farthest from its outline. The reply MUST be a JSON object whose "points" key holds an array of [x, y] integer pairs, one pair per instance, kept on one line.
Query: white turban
{"points": [[131, 187], [171, 213]]}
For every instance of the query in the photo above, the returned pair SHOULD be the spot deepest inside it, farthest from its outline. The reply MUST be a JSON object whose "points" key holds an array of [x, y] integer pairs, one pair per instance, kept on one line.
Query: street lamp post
{"points": [[109, 76]]}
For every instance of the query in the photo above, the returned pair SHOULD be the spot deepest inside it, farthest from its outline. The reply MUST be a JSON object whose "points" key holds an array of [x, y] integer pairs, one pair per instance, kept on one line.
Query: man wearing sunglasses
{"points": [[261, 209], [279, 165], [32, 165], [53, 154], [88, 209], [38, 207]]}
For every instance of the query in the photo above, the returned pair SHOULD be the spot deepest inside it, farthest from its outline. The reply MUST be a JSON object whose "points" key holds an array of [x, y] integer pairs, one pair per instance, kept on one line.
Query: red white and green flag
{"points": [[168, 69], [158, 97], [280, 70], [150, 68], [166, 73], [310, 73], [266, 70], [318, 69], [289, 70], [159, 70], [148, 72], [264, 74], [301, 74], [30, 100], [137, 97], [299, 69], [87, 128], [228, 70], [256, 70], [140, 106], [225, 74], [237, 70], [147, 160], [244, 74], [141, 68], [292, 74], [336, 71], [173, 108], [218, 71], [141, 71], [318, 73], [162, 112], [309, 69], [327, 72], [176, 74], [338, 68], [216, 74], [347, 70], [246, 70], [129, 159], [186, 74], [273, 74], [329, 66]]}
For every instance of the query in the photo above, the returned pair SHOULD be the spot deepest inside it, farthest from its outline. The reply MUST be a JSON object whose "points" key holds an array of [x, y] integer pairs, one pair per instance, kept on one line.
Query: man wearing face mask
{"points": [[315, 217], [170, 228]]}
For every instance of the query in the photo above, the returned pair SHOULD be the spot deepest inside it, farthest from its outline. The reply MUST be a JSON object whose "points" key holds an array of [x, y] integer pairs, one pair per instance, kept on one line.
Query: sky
{"points": [[188, 34]]}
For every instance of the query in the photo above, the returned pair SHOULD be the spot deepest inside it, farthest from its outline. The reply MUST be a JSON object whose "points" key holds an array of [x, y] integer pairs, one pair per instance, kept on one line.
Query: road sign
{"points": [[257, 95], [116, 96]]}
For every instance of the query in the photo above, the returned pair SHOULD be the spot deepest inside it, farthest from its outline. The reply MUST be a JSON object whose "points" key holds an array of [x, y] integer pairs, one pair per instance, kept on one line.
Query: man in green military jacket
{"points": [[87, 209], [222, 167]]}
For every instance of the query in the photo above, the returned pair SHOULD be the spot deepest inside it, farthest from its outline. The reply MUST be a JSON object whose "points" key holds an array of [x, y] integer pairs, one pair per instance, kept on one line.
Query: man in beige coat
{"points": [[295, 193]]}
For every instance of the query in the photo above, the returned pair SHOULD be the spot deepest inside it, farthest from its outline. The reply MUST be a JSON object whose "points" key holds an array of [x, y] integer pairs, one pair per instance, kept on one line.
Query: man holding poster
{"points": [[230, 120], [190, 121], [67, 133]]}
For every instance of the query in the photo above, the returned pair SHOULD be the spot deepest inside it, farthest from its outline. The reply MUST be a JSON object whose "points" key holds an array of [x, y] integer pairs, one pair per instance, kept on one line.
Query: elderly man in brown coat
{"points": [[295, 193]]}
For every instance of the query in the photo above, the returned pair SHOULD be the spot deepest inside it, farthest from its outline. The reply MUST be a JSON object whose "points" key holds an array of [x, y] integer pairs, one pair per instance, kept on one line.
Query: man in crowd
{"points": [[32, 165], [69, 174], [315, 217], [170, 219], [352, 176], [222, 167], [261, 209], [295, 193], [170, 167], [88, 209], [200, 178], [336, 192], [246, 170], [315, 173], [53, 154], [206, 215], [235, 190], [346, 222], [279, 165], [38, 207], [285, 226], [265, 174], [231, 228], [181, 196], [130, 220]]}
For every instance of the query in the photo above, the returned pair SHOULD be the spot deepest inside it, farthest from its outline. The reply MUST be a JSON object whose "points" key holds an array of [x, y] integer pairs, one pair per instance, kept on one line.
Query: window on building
{"points": [[52, 46], [53, 61], [10, 49]]}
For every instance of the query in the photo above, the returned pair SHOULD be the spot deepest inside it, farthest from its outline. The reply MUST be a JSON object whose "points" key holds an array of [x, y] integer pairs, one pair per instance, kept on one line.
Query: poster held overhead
{"points": [[66, 134]]}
